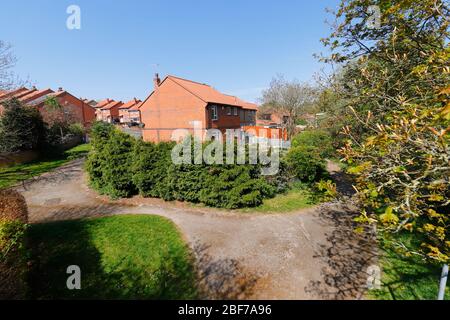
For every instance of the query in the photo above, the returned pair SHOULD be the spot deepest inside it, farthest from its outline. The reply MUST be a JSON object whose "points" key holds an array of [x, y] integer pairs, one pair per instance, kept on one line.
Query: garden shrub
{"points": [[21, 128], [234, 186], [110, 164], [119, 166], [305, 163], [13, 256], [150, 169], [317, 139]]}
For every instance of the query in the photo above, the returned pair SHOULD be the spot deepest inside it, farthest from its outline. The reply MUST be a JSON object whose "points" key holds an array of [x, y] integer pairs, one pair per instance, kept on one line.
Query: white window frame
{"points": [[235, 111], [229, 112], [214, 114]]}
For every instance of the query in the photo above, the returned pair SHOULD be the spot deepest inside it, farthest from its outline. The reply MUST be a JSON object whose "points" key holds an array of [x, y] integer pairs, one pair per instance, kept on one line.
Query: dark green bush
{"points": [[110, 163], [317, 139], [234, 186], [119, 166], [305, 163], [150, 169], [21, 128]]}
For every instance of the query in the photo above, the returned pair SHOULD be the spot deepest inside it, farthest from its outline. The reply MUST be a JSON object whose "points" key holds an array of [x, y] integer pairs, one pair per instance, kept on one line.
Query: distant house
{"points": [[176, 102], [73, 109], [129, 112], [109, 112], [271, 118]]}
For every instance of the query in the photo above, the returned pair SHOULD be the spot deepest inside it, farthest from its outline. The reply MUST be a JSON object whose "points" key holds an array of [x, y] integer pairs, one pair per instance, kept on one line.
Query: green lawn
{"points": [[12, 175], [120, 257], [407, 279], [299, 196]]}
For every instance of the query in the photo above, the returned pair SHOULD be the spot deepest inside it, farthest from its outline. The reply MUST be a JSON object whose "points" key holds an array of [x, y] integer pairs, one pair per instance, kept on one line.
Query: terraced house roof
{"points": [[130, 104], [112, 104]]}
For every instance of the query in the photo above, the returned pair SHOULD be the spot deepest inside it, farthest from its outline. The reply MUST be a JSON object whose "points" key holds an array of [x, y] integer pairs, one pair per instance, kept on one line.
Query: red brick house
{"points": [[129, 112], [109, 112], [73, 109], [175, 103]]}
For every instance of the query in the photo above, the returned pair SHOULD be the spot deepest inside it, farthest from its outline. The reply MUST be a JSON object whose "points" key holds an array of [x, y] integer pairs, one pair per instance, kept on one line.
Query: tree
{"points": [[21, 128], [8, 80], [290, 98], [397, 78]]}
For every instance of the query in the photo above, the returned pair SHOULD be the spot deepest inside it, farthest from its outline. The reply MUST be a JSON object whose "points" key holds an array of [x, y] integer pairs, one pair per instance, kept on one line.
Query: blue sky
{"points": [[237, 46]]}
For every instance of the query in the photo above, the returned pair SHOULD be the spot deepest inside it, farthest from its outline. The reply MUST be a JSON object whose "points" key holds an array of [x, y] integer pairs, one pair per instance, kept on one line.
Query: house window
{"points": [[214, 115], [229, 111], [266, 116], [235, 111]]}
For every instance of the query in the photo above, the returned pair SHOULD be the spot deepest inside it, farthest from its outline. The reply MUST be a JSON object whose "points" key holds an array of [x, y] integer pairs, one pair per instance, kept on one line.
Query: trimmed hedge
{"points": [[121, 166]]}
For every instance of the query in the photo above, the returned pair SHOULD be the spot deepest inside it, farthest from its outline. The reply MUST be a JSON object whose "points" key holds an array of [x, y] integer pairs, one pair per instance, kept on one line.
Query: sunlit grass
{"points": [[11, 176], [120, 257]]}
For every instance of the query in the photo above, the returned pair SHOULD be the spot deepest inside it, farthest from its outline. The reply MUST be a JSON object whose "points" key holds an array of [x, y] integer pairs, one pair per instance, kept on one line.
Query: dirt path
{"points": [[309, 254]]}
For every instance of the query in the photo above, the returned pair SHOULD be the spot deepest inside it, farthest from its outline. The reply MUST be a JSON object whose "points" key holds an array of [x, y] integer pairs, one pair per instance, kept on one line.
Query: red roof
{"points": [[103, 103], [130, 104], [34, 95], [210, 95], [112, 104], [17, 93], [136, 106]]}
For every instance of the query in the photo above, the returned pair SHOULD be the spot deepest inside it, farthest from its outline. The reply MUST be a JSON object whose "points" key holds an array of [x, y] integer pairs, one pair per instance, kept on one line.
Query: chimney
{"points": [[60, 89], [156, 81]]}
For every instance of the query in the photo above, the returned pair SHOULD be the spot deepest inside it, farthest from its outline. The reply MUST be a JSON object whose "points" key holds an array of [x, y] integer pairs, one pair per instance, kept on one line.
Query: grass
{"points": [[407, 278], [299, 196], [13, 175], [120, 257]]}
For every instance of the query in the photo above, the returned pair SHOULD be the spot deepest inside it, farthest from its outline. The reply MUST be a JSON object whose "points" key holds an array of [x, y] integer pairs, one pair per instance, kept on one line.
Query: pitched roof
{"points": [[112, 104], [130, 104], [35, 95], [17, 93], [210, 95], [136, 106], [103, 103], [5, 93]]}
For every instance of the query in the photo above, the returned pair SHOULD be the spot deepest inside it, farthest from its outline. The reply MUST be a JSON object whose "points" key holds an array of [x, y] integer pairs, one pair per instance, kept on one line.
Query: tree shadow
{"points": [[347, 256], [222, 279], [57, 245]]}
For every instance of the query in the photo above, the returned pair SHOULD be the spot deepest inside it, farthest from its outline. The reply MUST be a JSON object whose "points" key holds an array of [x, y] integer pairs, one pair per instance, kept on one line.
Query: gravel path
{"points": [[309, 254]]}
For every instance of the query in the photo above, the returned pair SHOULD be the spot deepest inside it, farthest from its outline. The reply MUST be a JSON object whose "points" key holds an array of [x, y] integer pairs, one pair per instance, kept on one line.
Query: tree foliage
{"points": [[395, 84], [290, 98], [21, 128]]}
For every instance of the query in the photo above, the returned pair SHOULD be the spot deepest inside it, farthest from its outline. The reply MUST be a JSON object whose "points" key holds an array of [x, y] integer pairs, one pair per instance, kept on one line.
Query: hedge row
{"points": [[121, 166]]}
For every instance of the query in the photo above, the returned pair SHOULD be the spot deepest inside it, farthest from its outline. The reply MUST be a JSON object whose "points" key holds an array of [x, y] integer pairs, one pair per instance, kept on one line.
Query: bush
{"points": [[305, 163], [317, 139], [76, 129], [110, 165], [13, 264], [119, 166], [21, 128], [234, 186], [150, 169]]}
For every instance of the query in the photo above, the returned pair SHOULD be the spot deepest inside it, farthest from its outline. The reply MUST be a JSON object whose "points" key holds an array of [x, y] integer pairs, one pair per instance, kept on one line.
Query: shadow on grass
{"points": [[115, 271], [407, 278]]}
